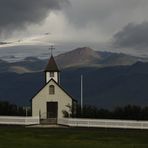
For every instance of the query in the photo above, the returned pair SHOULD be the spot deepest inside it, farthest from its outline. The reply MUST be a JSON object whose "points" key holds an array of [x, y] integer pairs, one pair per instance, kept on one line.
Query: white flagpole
{"points": [[82, 94]]}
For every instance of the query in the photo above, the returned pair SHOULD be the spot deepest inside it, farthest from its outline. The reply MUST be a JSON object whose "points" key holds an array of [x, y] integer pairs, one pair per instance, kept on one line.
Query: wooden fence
{"points": [[16, 120], [126, 124]]}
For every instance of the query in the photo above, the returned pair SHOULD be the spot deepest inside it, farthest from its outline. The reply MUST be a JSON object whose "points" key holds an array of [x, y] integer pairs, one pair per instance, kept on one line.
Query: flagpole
{"points": [[81, 94]]}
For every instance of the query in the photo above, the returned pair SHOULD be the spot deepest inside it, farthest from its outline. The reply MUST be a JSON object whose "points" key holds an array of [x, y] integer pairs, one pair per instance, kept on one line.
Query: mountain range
{"points": [[110, 79], [87, 57], [80, 57]]}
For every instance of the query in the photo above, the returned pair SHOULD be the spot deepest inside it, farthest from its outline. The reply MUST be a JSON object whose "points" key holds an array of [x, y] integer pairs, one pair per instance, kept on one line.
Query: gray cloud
{"points": [[107, 16], [17, 14], [134, 36]]}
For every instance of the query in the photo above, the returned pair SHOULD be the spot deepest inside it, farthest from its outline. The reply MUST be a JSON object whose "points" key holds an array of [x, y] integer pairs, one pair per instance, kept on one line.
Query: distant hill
{"points": [[80, 57], [111, 86], [28, 65], [103, 87], [87, 57]]}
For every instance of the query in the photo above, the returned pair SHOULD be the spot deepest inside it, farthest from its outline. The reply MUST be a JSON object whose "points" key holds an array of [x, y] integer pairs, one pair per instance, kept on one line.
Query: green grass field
{"points": [[20, 137]]}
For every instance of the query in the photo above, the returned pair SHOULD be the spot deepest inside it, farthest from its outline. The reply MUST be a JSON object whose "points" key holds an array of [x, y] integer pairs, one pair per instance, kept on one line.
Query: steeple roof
{"points": [[52, 66]]}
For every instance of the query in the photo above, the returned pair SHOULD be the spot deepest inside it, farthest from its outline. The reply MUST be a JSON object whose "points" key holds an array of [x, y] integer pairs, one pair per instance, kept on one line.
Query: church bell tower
{"points": [[51, 70]]}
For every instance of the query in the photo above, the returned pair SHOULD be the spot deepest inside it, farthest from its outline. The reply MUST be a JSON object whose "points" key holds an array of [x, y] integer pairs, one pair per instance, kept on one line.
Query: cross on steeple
{"points": [[51, 48]]}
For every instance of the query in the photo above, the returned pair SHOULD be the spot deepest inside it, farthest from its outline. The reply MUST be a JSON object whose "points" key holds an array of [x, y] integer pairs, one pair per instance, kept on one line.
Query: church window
{"points": [[51, 89], [51, 74]]}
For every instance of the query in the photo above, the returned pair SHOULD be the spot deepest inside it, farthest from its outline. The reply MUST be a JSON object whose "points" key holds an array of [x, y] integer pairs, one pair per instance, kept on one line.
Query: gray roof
{"points": [[52, 66]]}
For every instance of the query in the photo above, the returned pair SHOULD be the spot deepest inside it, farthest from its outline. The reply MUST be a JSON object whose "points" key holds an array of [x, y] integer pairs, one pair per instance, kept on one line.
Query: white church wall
{"points": [[40, 100]]}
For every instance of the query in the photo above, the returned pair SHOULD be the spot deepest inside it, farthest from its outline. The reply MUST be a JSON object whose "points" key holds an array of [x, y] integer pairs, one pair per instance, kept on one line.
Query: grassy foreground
{"points": [[20, 137]]}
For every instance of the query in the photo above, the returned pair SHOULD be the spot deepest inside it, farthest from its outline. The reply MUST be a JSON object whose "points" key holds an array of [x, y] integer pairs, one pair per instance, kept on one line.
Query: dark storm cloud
{"points": [[17, 14], [133, 36]]}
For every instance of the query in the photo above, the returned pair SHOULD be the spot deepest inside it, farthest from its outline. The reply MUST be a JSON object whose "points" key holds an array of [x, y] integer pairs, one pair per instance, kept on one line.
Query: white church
{"points": [[52, 101]]}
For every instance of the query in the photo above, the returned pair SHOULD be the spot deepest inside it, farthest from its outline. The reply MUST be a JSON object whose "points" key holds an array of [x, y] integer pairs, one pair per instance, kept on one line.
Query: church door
{"points": [[52, 109]]}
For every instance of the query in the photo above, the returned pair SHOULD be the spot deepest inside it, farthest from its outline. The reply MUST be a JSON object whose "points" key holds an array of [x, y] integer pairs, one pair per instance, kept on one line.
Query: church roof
{"points": [[52, 66]]}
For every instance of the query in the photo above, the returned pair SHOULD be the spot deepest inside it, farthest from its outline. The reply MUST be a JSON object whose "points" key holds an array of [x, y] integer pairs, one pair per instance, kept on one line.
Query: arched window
{"points": [[51, 89]]}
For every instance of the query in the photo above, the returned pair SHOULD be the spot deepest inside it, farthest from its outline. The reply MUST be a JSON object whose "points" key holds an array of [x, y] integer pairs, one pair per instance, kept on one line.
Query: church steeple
{"points": [[51, 66], [51, 70]]}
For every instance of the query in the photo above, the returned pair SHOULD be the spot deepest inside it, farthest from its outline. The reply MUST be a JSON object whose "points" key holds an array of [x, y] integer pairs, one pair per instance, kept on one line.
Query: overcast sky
{"points": [[114, 24]]}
